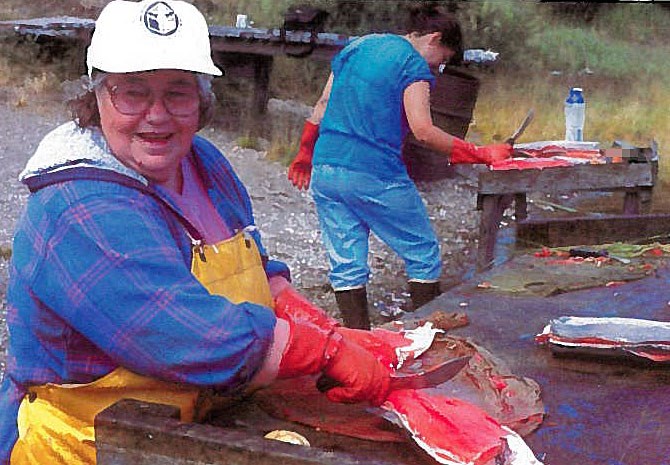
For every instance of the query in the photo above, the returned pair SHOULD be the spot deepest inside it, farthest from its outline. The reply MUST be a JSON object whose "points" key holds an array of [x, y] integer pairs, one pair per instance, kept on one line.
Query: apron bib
{"points": [[55, 422]]}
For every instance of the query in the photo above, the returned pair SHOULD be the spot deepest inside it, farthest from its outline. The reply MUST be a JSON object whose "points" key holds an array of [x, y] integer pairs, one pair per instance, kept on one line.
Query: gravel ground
{"points": [[286, 217]]}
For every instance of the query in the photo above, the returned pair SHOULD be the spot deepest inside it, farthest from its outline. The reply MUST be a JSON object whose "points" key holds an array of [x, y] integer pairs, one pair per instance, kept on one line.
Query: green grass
{"points": [[572, 49]]}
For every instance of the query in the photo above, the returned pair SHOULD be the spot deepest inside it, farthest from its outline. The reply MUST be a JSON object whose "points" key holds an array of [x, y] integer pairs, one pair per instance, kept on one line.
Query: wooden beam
{"points": [[131, 432], [258, 41], [560, 232], [606, 177]]}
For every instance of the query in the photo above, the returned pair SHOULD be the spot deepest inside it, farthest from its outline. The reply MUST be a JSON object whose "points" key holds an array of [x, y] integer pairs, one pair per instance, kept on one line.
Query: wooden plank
{"points": [[606, 177], [320, 53], [269, 42], [57, 26], [136, 433], [560, 232], [256, 41]]}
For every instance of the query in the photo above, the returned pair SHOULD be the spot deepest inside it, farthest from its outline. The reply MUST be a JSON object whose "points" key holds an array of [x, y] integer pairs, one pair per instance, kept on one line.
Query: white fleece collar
{"points": [[69, 146]]}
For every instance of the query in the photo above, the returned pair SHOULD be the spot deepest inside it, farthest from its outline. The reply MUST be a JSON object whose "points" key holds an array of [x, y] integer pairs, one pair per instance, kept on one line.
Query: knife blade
{"points": [[430, 377], [522, 127]]}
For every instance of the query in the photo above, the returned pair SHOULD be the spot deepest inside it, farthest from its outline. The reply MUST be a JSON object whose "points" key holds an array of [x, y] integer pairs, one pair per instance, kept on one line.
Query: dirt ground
{"points": [[286, 217]]}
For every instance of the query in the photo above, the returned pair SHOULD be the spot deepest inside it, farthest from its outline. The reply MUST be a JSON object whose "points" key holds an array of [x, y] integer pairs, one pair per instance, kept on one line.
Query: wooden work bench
{"points": [[242, 52], [498, 189], [597, 410]]}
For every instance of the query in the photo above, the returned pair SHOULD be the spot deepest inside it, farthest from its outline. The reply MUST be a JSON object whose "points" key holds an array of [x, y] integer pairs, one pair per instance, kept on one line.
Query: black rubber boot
{"points": [[422, 293], [353, 305]]}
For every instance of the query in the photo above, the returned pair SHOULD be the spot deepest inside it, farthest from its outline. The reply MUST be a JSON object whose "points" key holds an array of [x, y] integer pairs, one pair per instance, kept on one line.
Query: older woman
{"points": [[378, 91], [137, 271]]}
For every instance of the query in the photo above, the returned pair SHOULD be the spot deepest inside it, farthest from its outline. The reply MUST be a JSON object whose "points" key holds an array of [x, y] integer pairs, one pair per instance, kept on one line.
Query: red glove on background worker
{"points": [[466, 152], [315, 345], [300, 169]]}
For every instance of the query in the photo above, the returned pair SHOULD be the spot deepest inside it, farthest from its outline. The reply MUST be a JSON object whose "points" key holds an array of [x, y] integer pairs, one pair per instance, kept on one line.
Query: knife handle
{"points": [[326, 383]]}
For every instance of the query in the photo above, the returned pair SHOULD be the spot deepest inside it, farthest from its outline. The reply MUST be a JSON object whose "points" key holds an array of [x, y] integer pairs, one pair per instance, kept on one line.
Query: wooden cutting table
{"points": [[598, 411], [247, 52], [498, 189]]}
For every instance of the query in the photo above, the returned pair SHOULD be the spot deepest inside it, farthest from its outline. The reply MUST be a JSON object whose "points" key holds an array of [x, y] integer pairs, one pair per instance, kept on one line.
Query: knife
{"points": [[430, 377], [522, 127]]}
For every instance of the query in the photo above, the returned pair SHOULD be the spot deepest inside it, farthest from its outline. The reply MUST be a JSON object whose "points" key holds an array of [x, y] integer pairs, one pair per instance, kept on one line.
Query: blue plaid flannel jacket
{"points": [[101, 278]]}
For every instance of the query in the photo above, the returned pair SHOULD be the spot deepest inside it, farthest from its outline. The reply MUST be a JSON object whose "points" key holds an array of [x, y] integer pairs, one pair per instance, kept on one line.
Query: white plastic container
{"points": [[242, 21], [575, 115]]}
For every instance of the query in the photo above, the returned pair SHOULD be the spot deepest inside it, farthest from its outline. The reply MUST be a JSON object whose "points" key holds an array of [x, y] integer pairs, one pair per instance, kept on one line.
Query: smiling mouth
{"points": [[151, 137]]}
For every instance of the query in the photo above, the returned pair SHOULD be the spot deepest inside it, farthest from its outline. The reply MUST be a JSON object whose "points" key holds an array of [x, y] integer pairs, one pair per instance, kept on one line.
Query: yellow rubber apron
{"points": [[56, 421]]}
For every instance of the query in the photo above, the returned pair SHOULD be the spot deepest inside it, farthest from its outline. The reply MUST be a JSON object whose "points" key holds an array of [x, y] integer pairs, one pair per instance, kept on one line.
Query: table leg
{"points": [[492, 207], [520, 206], [646, 196], [631, 203], [262, 70]]}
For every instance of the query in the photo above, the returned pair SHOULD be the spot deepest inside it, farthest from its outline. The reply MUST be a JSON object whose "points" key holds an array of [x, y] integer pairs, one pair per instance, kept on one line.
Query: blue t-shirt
{"points": [[365, 122]]}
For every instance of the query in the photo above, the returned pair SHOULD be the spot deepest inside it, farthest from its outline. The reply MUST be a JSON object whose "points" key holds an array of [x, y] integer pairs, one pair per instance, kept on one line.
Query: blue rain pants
{"points": [[351, 204]]}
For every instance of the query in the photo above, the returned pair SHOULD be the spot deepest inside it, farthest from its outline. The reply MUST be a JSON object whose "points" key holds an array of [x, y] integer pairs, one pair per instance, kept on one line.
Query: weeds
{"points": [[248, 142], [282, 151], [615, 110]]}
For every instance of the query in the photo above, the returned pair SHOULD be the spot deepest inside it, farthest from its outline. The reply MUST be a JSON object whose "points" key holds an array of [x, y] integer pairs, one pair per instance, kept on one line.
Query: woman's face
{"points": [[149, 120], [432, 50]]}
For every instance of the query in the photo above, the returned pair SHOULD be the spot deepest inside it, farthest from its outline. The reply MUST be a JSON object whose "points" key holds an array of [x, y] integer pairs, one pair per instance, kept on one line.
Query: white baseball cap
{"points": [[148, 35]]}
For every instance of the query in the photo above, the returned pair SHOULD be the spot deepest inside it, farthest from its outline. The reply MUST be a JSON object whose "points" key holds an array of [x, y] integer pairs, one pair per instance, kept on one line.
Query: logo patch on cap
{"points": [[161, 19]]}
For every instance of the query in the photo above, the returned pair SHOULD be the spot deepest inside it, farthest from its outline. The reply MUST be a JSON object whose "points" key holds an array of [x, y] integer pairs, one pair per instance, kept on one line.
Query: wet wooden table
{"points": [[599, 411], [137, 433], [498, 189]]}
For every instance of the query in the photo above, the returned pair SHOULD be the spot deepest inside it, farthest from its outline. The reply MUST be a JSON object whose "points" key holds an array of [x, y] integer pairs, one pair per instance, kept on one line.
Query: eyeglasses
{"points": [[131, 98]]}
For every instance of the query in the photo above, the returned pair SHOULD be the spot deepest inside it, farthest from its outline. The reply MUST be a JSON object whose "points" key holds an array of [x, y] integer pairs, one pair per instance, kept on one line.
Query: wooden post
{"points": [[262, 70], [631, 203], [492, 207], [520, 206]]}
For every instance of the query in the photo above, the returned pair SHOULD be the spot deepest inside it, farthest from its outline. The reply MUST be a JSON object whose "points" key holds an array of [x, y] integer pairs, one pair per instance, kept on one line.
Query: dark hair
{"points": [[83, 104], [84, 109], [426, 18]]}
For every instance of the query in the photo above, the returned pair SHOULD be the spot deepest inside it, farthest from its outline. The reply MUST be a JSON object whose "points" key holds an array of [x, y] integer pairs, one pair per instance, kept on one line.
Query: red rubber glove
{"points": [[380, 342], [289, 304], [312, 349], [465, 152], [300, 169]]}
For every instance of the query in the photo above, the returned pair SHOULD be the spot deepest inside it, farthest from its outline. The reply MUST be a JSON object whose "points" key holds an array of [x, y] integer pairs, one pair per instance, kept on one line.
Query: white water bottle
{"points": [[575, 114]]}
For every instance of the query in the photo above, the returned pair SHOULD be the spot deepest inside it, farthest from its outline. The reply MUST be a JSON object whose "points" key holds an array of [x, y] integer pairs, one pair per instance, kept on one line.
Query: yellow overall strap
{"points": [[56, 421], [233, 269]]}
